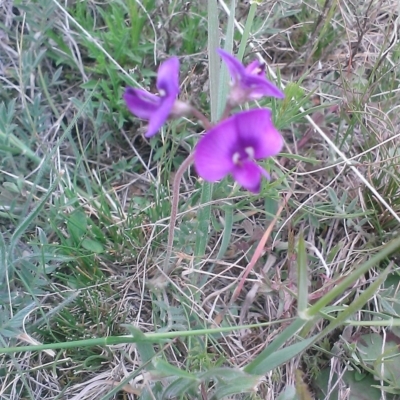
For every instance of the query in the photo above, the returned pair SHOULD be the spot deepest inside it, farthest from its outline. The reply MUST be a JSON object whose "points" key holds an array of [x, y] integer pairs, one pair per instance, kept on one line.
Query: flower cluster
{"points": [[233, 145]]}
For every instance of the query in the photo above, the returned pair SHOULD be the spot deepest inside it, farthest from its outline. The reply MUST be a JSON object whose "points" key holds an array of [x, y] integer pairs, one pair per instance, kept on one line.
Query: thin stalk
{"points": [[202, 118], [151, 337], [227, 111], [174, 210], [175, 192]]}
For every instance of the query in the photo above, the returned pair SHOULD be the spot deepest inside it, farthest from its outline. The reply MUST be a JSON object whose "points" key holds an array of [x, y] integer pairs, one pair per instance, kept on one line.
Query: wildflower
{"points": [[232, 146], [248, 83], [154, 108]]}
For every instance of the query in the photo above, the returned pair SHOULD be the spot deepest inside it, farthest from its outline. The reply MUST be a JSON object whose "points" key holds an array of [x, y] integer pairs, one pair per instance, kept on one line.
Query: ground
{"points": [[292, 293]]}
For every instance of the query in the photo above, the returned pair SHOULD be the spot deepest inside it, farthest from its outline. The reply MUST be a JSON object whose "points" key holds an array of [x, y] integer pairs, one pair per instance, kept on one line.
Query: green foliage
{"points": [[357, 387]]}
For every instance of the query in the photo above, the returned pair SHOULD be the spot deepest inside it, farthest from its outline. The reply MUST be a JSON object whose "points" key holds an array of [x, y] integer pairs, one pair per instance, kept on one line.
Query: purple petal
{"points": [[235, 67], [248, 175], [256, 68], [141, 103], [168, 77], [255, 129], [250, 81], [159, 117], [261, 87], [266, 175], [214, 152]]}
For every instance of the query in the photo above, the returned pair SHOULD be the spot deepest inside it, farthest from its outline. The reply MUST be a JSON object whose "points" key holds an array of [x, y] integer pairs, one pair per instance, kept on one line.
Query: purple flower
{"points": [[248, 83], [154, 108], [232, 146]]}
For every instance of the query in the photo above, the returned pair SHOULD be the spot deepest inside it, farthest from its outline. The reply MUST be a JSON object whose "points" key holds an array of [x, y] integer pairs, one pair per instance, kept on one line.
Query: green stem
{"points": [[143, 337]]}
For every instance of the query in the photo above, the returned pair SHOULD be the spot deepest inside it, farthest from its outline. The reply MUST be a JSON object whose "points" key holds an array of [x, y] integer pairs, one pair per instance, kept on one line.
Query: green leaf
{"points": [[146, 350], [288, 394], [224, 86], [302, 277], [77, 225], [261, 362], [244, 384], [179, 387], [203, 216], [383, 356], [3, 258], [347, 281], [166, 369], [23, 226], [227, 233], [213, 57], [279, 357], [14, 325], [357, 389], [92, 245]]}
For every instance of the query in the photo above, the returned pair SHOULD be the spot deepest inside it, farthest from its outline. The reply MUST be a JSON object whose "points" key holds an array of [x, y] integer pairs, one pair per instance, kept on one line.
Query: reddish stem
{"points": [[174, 209], [202, 118]]}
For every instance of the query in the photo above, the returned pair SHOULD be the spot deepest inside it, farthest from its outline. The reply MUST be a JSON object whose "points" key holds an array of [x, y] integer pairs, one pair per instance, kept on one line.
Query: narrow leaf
{"points": [[224, 75], [203, 216], [227, 233], [260, 361], [302, 277], [92, 245], [213, 58], [146, 350], [166, 369], [280, 357], [337, 290]]}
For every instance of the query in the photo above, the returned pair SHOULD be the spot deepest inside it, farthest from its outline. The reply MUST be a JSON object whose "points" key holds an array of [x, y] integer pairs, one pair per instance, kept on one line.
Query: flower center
{"points": [[239, 157], [236, 158], [162, 93], [249, 151]]}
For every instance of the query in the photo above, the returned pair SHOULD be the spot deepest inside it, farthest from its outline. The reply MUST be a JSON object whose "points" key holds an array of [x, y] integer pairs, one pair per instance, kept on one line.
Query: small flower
{"points": [[248, 83], [154, 108], [232, 146]]}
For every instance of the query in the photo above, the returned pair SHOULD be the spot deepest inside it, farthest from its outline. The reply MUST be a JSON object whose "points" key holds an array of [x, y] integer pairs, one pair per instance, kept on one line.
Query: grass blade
{"points": [[246, 31], [349, 279], [213, 58], [227, 233], [224, 75], [23, 226], [280, 357], [302, 277], [217, 105], [260, 362], [204, 216]]}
